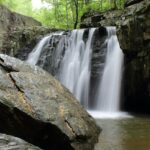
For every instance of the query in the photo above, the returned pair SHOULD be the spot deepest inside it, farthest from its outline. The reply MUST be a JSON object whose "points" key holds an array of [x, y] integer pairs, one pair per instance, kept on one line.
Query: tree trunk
{"points": [[76, 11], [67, 20]]}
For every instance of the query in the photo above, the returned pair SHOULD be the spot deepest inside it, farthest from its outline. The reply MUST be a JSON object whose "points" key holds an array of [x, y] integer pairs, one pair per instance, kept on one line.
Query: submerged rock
{"points": [[8, 142], [36, 107]]}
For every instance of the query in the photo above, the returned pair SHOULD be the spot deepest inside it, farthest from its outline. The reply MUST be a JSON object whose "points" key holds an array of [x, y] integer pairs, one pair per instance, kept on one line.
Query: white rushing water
{"points": [[109, 115], [35, 54], [108, 95], [75, 69], [73, 56]]}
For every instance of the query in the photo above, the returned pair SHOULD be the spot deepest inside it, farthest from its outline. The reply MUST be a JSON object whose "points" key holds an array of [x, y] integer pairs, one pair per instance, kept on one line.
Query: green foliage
{"points": [[62, 13], [23, 6]]}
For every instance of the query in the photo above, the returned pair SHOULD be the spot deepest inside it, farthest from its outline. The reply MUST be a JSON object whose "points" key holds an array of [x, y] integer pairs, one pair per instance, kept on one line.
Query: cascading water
{"points": [[108, 94], [35, 54], [109, 89], [75, 68], [73, 55], [44, 42]]}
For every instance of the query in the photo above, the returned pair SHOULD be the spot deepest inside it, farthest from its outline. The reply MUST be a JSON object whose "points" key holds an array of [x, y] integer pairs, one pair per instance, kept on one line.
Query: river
{"points": [[124, 134]]}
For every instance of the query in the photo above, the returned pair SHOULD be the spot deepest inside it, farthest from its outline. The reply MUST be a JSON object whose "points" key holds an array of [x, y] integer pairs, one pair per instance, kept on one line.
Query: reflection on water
{"points": [[124, 134]]}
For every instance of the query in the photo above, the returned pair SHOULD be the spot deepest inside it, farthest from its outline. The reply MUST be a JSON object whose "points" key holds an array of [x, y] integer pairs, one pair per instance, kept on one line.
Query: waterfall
{"points": [[35, 54], [72, 58], [108, 95], [75, 68]]}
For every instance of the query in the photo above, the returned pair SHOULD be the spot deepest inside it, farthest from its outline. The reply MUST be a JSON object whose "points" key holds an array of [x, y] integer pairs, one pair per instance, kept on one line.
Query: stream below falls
{"points": [[124, 134]]}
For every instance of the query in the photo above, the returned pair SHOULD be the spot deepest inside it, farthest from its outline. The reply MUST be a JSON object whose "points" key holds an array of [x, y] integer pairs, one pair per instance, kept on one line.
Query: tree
{"points": [[62, 13], [113, 4], [25, 7], [76, 13]]}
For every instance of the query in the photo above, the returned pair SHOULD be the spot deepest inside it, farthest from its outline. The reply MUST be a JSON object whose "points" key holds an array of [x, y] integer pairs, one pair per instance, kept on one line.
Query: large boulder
{"points": [[36, 107], [8, 142]]}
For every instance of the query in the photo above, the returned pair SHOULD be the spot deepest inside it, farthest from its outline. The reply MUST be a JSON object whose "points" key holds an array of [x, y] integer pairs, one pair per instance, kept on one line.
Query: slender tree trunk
{"points": [[76, 11], [100, 4], [113, 4], [55, 10], [67, 20], [86, 2], [72, 12]]}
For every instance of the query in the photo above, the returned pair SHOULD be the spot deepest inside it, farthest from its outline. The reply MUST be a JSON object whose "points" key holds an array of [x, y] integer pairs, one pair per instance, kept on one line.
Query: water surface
{"points": [[124, 134]]}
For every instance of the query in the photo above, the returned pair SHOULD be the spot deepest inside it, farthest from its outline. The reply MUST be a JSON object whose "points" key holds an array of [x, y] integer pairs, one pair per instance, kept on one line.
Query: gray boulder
{"points": [[8, 142], [37, 108]]}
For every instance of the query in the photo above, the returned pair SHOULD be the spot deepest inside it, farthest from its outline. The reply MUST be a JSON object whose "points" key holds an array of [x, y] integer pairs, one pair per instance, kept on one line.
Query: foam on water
{"points": [[109, 115]]}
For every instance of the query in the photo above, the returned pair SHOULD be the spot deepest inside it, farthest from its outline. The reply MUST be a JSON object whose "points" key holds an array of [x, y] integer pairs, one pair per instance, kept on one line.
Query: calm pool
{"points": [[124, 134]]}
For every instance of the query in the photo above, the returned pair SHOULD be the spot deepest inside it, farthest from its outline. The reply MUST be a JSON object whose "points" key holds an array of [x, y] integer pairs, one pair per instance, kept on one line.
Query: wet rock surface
{"points": [[50, 59], [19, 34], [99, 48], [20, 42], [37, 108], [8, 142], [134, 37]]}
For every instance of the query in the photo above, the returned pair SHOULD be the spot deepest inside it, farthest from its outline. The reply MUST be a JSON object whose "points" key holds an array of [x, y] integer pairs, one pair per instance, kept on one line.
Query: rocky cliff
{"points": [[11, 22], [133, 29]]}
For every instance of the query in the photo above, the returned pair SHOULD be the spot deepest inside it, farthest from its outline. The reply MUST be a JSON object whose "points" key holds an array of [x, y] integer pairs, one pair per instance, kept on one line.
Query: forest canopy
{"points": [[60, 13]]}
